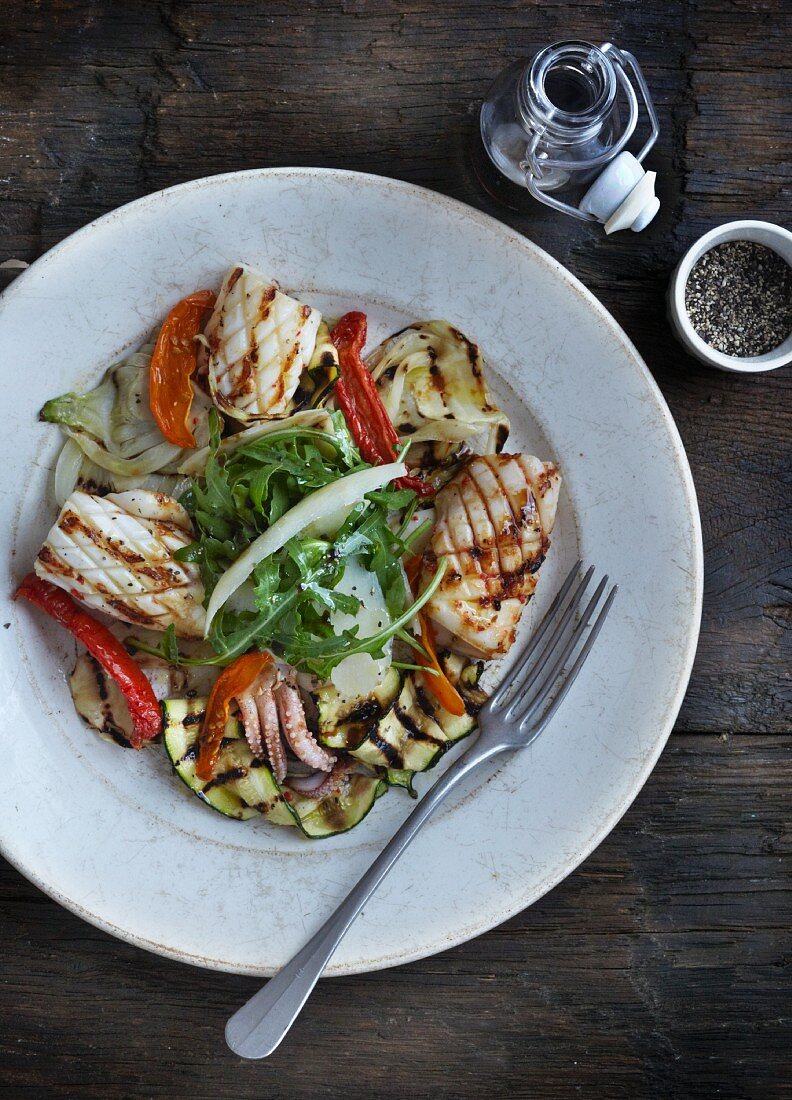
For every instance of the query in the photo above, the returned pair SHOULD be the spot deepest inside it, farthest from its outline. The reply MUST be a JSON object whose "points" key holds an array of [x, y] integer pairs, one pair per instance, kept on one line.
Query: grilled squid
{"points": [[260, 341], [494, 520], [116, 554]]}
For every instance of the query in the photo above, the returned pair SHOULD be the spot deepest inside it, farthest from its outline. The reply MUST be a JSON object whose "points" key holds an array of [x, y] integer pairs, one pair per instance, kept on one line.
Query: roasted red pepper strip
{"points": [[361, 403], [439, 685], [366, 445], [173, 364], [144, 709], [235, 679], [349, 336]]}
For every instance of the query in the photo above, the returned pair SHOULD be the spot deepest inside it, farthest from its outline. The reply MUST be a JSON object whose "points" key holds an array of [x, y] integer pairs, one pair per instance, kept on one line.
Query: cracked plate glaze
{"points": [[111, 834]]}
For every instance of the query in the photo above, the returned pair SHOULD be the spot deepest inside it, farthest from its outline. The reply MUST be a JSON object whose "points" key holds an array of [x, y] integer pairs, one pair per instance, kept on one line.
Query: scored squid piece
{"points": [[260, 341], [494, 520], [115, 553]]}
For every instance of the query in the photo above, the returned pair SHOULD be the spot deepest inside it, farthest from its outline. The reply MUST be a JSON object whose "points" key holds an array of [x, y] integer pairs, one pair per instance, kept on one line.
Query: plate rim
{"points": [[517, 903]]}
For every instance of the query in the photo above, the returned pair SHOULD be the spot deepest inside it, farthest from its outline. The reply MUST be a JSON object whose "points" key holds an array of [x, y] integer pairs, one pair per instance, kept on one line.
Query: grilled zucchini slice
{"points": [[415, 732], [337, 813], [343, 722], [243, 787], [400, 727]]}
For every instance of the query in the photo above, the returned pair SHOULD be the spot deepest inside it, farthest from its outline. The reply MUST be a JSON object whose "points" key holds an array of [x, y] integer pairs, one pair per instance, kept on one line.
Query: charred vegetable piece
{"points": [[114, 427], [343, 721], [405, 731], [173, 363], [415, 732], [360, 402], [338, 813], [431, 380], [144, 708], [241, 787]]}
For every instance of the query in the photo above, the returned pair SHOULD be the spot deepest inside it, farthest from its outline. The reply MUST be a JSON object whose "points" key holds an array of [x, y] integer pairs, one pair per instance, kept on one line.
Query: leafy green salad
{"points": [[284, 562]]}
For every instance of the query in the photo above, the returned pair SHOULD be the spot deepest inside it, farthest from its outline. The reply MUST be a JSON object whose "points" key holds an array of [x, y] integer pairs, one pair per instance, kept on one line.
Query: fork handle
{"points": [[259, 1026]]}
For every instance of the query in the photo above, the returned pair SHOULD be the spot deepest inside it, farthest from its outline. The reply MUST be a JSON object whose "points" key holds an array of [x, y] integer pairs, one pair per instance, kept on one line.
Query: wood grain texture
{"points": [[661, 967]]}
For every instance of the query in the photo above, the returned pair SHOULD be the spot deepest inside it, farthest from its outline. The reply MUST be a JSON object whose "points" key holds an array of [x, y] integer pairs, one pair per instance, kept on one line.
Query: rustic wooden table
{"points": [[661, 967]]}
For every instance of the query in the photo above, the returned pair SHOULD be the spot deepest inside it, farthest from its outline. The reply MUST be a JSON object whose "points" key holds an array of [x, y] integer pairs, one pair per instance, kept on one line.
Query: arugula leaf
{"points": [[294, 591]]}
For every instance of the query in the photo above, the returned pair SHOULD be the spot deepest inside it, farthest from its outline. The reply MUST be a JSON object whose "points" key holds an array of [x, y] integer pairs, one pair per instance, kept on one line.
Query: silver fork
{"points": [[513, 717]]}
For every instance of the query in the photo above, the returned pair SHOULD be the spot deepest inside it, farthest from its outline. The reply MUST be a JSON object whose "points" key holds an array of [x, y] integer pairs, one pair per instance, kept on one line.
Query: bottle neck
{"points": [[567, 94]]}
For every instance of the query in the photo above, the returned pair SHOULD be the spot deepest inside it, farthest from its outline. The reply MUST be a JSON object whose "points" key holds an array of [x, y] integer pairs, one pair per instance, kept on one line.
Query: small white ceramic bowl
{"points": [[780, 240]]}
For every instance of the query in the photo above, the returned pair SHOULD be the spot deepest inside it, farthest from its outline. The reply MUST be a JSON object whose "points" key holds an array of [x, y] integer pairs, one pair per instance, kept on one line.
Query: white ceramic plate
{"points": [[118, 840]]}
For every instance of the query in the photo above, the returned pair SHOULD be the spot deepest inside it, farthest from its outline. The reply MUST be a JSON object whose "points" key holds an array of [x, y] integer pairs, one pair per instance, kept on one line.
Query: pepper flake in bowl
{"points": [[730, 298]]}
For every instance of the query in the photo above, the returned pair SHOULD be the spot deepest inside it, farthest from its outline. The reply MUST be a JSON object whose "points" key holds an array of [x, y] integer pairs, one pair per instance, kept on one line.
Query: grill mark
{"points": [[71, 524], [233, 279], [189, 754], [163, 574], [194, 719], [391, 754], [425, 703], [117, 734], [414, 731], [109, 726], [436, 375], [101, 682], [245, 381], [369, 708], [267, 298], [472, 351], [130, 613], [225, 777], [536, 565], [47, 557], [291, 358]]}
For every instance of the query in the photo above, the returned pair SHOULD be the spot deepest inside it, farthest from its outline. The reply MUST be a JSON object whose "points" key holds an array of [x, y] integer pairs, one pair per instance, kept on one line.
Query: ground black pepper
{"points": [[739, 298]]}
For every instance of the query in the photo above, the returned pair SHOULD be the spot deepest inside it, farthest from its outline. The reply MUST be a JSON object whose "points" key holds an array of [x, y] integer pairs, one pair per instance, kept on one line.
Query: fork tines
{"points": [[554, 655]]}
